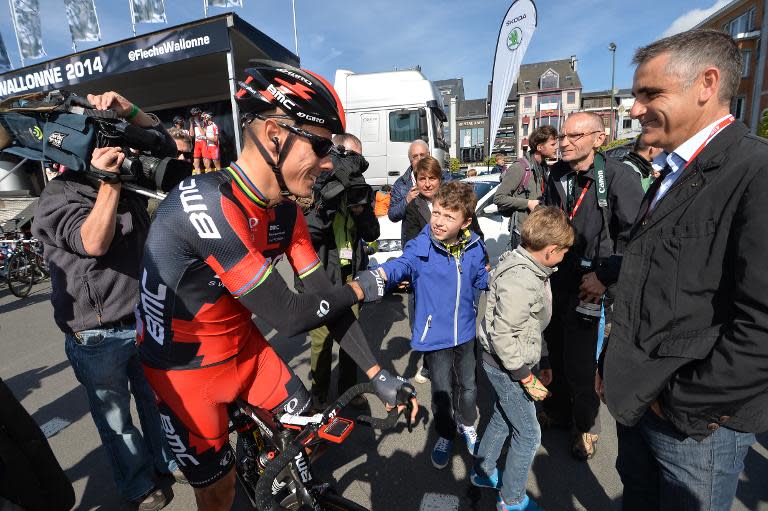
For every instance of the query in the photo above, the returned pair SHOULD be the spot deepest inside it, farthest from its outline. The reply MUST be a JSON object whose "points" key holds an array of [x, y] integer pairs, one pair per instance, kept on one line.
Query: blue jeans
{"points": [[452, 370], [514, 415], [106, 362], [663, 469]]}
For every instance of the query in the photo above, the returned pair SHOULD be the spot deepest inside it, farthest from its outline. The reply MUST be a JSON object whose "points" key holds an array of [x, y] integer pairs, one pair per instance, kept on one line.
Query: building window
{"points": [[571, 98], [528, 102], [549, 80], [737, 107], [627, 124], [526, 84], [741, 24], [551, 120], [471, 137], [746, 55], [549, 101], [606, 121], [525, 130], [508, 113], [404, 127]]}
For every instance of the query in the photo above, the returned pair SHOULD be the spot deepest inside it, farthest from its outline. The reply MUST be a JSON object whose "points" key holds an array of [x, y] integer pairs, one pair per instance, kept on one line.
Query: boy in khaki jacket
{"points": [[518, 310]]}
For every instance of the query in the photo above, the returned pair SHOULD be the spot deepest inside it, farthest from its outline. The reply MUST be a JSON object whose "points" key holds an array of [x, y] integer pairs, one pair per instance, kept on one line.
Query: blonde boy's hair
{"points": [[545, 226]]}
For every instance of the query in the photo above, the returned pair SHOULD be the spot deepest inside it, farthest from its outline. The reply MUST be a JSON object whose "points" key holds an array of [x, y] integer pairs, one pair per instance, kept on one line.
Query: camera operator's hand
{"points": [[591, 289], [124, 108], [107, 159]]}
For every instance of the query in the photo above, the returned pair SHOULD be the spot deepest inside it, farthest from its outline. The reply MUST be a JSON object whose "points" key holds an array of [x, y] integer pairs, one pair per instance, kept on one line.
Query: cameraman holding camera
{"points": [[94, 238], [340, 218]]}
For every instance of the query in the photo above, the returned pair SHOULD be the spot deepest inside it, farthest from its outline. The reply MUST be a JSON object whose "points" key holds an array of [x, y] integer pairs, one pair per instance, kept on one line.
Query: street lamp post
{"points": [[612, 49]]}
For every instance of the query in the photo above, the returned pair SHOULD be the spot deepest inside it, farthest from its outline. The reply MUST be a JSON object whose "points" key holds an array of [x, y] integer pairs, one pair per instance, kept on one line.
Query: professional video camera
{"points": [[347, 175], [64, 128]]}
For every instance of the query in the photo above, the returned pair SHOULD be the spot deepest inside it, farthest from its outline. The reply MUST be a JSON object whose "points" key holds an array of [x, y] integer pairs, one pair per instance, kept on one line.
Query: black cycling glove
{"points": [[392, 390], [372, 284]]}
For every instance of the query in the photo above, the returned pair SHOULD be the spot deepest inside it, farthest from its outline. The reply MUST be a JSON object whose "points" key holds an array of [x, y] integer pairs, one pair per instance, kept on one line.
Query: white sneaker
{"points": [[470, 437], [422, 375]]}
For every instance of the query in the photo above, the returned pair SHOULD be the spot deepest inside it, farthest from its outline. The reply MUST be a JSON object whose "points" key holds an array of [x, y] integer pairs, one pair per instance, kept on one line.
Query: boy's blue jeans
{"points": [[444, 365], [514, 416], [106, 362], [665, 470]]}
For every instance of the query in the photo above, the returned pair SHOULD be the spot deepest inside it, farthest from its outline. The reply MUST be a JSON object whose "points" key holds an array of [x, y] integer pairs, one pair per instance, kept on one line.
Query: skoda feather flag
{"points": [[514, 36]]}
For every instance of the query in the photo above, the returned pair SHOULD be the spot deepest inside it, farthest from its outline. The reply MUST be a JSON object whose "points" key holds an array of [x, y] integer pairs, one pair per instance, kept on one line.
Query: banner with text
{"points": [[83, 22], [26, 20], [131, 55], [5, 62], [514, 36], [224, 3], [148, 11]]}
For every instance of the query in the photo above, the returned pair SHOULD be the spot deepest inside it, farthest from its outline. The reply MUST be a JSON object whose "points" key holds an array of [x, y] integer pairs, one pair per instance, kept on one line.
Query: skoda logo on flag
{"points": [[514, 38]]}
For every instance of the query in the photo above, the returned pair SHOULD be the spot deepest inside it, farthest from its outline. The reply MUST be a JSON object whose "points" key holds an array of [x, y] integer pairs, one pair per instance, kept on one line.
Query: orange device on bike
{"points": [[337, 430]]}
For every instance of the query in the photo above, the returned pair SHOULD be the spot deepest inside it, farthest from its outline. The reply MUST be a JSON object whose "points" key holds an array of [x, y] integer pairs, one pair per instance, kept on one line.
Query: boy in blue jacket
{"points": [[445, 263]]}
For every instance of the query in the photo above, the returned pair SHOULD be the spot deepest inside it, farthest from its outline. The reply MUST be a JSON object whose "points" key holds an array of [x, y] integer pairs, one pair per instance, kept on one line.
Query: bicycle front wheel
{"points": [[20, 274]]}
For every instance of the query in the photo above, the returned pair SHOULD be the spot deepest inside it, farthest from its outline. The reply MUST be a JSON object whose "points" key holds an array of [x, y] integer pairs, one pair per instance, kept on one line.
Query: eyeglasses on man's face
{"points": [[575, 137]]}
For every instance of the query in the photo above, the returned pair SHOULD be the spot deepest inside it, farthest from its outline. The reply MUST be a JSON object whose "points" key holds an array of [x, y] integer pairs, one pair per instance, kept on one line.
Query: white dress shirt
{"points": [[679, 158]]}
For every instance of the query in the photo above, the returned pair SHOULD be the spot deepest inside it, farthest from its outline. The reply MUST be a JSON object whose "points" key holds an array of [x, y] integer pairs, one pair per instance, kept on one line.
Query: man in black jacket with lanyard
{"points": [[602, 197], [686, 368]]}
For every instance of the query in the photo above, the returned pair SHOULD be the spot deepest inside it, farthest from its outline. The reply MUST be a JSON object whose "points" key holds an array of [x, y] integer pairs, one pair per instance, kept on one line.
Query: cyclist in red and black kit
{"points": [[209, 264]]}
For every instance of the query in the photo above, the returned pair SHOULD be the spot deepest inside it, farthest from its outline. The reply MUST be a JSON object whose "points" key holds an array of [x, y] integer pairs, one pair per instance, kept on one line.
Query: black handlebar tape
{"points": [[380, 424], [263, 492], [353, 392]]}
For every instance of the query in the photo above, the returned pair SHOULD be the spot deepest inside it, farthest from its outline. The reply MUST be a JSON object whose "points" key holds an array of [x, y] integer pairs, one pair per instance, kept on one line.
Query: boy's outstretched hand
{"points": [[372, 283], [534, 388]]}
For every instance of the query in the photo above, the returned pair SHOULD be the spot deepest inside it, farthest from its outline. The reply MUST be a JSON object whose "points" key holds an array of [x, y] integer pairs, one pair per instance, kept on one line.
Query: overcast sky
{"points": [[447, 38]]}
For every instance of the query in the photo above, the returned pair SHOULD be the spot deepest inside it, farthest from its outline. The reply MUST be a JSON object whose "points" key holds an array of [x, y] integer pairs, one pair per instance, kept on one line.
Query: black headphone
{"points": [[276, 141]]}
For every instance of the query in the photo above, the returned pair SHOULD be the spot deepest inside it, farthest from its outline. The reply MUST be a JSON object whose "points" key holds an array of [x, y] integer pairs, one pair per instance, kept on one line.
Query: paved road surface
{"points": [[384, 472]]}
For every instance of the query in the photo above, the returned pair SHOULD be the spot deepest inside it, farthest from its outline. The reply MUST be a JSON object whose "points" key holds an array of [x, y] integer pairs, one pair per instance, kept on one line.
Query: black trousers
{"points": [[572, 344]]}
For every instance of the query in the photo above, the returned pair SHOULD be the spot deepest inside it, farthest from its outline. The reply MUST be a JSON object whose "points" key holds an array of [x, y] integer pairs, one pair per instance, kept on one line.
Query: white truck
{"points": [[388, 111]]}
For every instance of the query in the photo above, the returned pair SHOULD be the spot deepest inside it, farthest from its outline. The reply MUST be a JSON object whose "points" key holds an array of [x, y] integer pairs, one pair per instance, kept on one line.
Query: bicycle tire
{"points": [[20, 274], [41, 268]]}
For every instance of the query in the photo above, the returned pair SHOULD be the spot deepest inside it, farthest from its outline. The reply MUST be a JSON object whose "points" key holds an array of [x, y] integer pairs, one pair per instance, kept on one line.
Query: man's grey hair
{"points": [[349, 141], [420, 142], [692, 51]]}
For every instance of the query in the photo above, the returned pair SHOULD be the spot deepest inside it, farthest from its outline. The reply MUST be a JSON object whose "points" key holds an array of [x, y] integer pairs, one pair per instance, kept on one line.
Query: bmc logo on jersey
{"points": [[192, 202], [153, 305]]}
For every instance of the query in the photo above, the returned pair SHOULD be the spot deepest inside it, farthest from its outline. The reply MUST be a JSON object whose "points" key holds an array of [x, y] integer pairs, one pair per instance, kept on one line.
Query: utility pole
{"points": [[612, 49]]}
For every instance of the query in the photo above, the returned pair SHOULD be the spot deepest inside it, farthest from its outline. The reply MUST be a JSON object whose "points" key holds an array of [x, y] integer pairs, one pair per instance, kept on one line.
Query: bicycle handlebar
{"points": [[263, 491]]}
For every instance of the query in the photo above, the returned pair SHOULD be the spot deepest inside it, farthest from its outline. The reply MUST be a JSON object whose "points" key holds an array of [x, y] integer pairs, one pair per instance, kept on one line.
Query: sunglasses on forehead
{"points": [[320, 145]]}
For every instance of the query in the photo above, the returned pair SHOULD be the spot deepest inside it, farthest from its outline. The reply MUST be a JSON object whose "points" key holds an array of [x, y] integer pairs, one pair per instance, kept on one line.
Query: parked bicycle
{"points": [[21, 263], [274, 462]]}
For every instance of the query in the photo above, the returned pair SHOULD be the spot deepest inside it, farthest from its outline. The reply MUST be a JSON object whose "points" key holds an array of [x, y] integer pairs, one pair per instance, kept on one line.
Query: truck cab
{"points": [[388, 111]]}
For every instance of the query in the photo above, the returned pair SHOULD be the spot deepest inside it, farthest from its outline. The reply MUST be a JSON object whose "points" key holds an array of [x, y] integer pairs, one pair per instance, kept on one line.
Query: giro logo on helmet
{"points": [[310, 118], [295, 75]]}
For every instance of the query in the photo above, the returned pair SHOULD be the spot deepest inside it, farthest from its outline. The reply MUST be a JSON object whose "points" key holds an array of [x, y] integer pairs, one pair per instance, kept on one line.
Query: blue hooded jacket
{"points": [[443, 288]]}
